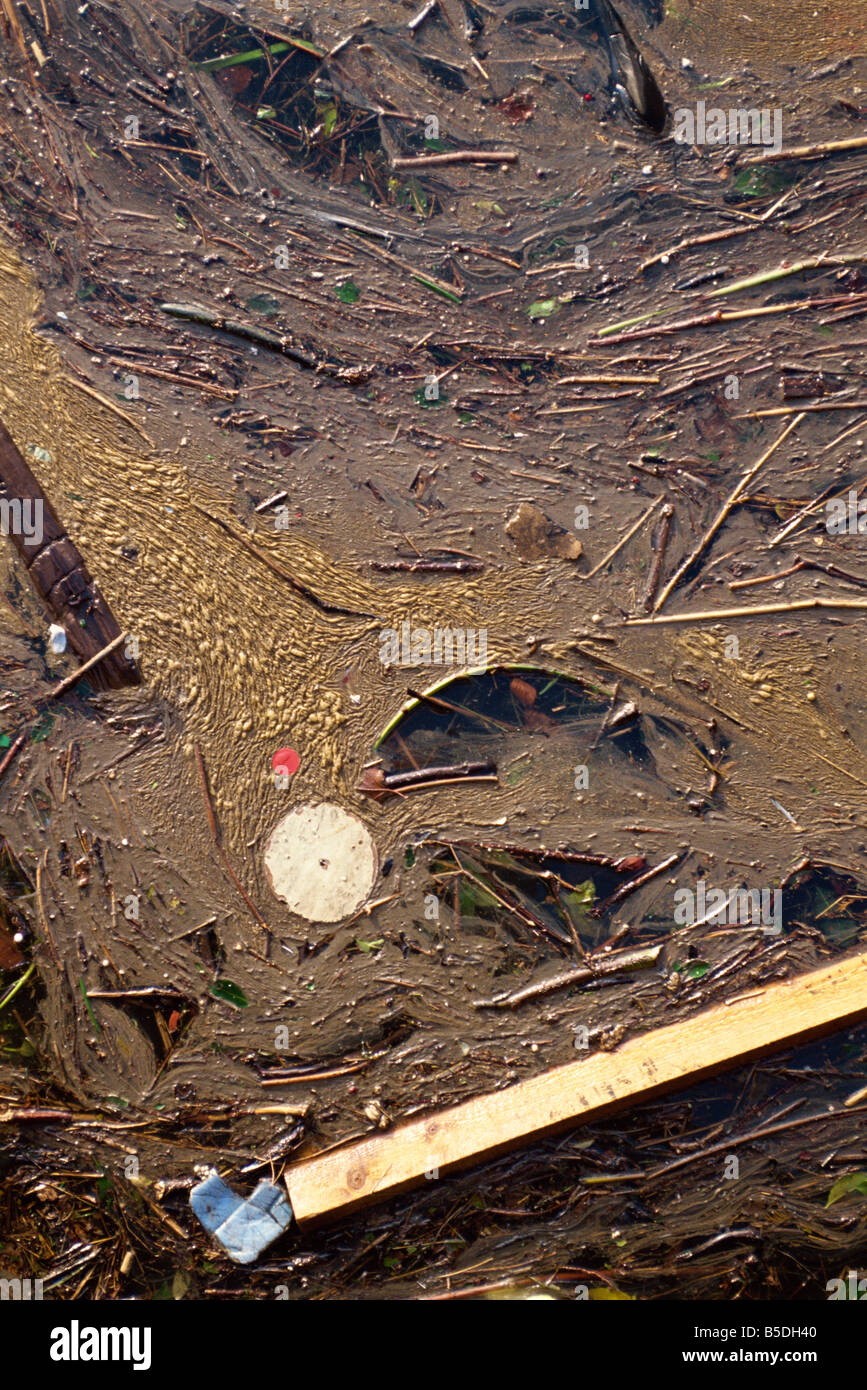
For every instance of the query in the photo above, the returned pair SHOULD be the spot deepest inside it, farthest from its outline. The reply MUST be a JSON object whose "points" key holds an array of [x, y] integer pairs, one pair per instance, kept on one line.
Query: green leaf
{"points": [[348, 292], [229, 993], [841, 930], [543, 308], [853, 1182], [368, 947], [474, 896], [410, 193], [217, 64], [330, 119], [579, 902], [760, 183], [601, 1293], [87, 1003], [266, 113], [438, 289]]}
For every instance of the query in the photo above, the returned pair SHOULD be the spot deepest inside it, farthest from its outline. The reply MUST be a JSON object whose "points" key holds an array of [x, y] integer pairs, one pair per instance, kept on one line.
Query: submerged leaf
{"points": [[543, 308], [853, 1182], [369, 947], [263, 304], [348, 292], [474, 896], [229, 993]]}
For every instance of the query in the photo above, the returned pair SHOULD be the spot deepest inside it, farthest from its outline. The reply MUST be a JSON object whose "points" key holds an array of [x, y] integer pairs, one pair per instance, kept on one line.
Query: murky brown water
{"points": [[237, 662], [723, 36]]}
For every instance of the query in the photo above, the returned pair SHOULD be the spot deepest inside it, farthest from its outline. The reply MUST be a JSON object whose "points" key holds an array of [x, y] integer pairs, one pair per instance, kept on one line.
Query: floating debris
{"points": [[536, 537], [244, 1226], [321, 861]]}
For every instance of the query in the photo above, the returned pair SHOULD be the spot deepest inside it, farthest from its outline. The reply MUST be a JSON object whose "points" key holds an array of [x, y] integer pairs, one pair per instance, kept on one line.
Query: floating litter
{"points": [[321, 861]]}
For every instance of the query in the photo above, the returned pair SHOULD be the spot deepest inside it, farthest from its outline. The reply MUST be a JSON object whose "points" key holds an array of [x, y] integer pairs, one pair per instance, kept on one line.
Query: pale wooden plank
{"points": [[678, 1054]]}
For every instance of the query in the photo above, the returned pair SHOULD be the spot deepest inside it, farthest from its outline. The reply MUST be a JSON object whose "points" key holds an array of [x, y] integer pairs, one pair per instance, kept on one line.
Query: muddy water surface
{"points": [[240, 663]]}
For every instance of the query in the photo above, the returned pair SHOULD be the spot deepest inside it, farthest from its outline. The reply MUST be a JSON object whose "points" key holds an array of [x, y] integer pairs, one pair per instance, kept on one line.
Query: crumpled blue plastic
{"points": [[244, 1226]]}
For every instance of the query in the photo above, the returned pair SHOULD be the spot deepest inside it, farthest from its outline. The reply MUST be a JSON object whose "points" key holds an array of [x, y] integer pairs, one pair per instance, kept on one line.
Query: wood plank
{"points": [[675, 1055], [60, 577]]}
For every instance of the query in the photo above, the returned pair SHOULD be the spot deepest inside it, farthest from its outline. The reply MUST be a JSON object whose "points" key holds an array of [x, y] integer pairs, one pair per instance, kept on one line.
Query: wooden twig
{"points": [[627, 889], [448, 707], [661, 546], [689, 242], [75, 676], [176, 378], [805, 409], [418, 19], [611, 335], [857, 142], [271, 501], [33, 1115], [110, 405], [272, 565], [436, 161], [601, 964], [604, 380], [781, 272], [623, 539], [762, 609], [755, 1135], [800, 516], [422, 566], [378, 784], [13, 753], [518, 909], [723, 513], [212, 822], [282, 343], [833, 571]]}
